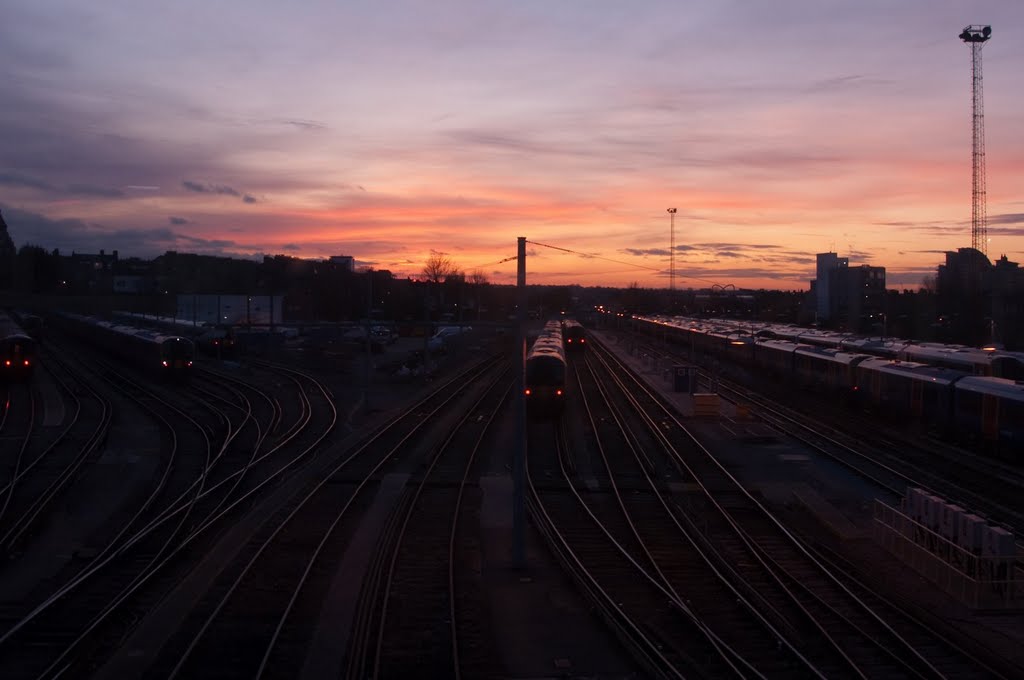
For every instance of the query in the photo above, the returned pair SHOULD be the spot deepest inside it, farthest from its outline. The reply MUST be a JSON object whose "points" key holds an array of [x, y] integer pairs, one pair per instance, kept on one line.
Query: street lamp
{"points": [[671, 257]]}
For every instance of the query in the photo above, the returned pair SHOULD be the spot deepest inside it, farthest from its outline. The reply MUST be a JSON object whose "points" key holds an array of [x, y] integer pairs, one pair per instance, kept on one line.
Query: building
{"points": [[857, 298], [980, 302], [345, 263], [827, 262], [132, 284], [845, 297], [90, 273], [7, 256], [231, 310]]}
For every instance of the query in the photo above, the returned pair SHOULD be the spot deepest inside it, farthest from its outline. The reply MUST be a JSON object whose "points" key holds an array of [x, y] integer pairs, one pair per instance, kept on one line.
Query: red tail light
{"points": [[26, 362], [527, 392], [582, 340], [558, 392], [569, 341], [7, 362], [190, 363]]}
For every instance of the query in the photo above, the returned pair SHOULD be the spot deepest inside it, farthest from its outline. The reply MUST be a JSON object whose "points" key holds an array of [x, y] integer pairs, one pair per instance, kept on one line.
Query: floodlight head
{"points": [[671, 210], [976, 34]]}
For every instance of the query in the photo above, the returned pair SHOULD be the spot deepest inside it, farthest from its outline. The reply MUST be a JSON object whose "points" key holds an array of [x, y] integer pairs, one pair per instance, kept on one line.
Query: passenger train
{"points": [[17, 351], [211, 340], [546, 373], [977, 395], [575, 335], [168, 357]]}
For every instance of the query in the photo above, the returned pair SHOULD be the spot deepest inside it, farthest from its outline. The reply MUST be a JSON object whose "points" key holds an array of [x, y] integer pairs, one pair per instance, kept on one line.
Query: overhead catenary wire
{"points": [[609, 259]]}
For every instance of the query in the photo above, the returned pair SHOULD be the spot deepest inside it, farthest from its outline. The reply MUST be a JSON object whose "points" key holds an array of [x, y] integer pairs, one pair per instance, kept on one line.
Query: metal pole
{"points": [[426, 330], [369, 348], [672, 258], [519, 456]]}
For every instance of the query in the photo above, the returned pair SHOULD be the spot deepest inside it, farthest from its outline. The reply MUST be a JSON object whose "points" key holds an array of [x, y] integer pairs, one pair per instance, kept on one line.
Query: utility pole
{"points": [[369, 340], [519, 456]]}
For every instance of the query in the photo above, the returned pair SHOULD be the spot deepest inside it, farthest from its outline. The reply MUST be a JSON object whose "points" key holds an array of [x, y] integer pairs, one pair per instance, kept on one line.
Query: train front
{"points": [[545, 383], [177, 355], [17, 358]]}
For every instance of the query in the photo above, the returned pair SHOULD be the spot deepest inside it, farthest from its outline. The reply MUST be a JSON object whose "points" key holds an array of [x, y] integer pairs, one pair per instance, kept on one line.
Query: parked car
{"points": [[444, 335]]}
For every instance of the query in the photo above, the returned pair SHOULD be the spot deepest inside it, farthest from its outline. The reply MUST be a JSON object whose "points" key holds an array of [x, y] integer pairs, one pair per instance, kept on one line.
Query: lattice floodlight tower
{"points": [[976, 37]]}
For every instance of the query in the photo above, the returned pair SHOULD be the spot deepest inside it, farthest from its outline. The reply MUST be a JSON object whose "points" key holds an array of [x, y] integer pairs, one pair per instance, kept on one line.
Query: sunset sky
{"points": [[388, 129]]}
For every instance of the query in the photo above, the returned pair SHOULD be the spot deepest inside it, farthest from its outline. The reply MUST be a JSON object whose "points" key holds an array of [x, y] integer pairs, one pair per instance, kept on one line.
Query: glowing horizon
{"points": [[388, 133]]}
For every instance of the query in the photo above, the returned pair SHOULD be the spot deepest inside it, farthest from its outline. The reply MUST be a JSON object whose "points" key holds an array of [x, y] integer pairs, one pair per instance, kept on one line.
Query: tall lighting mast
{"points": [[671, 256], [976, 37]]}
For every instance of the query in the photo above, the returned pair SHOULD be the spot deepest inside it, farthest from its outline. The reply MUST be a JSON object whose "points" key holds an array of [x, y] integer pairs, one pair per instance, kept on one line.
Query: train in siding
{"points": [[711, 334], [32, 324], [993, 407], [168, 357], [17, 351], [575, 335], [211, 340], [949, 388], [546, 373]]}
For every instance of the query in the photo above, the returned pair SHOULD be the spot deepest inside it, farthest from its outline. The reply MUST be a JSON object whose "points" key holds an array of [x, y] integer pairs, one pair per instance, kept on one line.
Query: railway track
{"points": [[888, 458], [685, 561], [289, 564], [838, 626], [421, 565], [894, 465], [39, 477], [74, 624]]}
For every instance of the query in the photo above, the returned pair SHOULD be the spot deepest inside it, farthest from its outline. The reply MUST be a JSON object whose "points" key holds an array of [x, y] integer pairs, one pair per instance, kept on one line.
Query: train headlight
{"points": [[164, 362]]}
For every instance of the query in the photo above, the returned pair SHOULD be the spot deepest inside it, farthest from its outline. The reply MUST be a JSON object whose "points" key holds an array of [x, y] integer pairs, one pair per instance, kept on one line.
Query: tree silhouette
{"points": [[439, 267]]}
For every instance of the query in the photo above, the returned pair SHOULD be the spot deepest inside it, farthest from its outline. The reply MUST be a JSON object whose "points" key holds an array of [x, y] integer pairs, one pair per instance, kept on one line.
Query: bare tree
{"points": [[439, 267], [478, 279], [477, 283], [928, 284]]}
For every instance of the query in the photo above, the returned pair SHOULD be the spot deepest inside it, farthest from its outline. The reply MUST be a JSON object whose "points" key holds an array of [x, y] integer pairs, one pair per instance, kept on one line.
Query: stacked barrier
{"points": [[952, 547]]}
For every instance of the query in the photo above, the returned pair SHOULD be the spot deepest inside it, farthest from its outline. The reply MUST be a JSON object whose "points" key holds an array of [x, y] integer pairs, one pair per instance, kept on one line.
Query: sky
{"points": [[390, 129]]}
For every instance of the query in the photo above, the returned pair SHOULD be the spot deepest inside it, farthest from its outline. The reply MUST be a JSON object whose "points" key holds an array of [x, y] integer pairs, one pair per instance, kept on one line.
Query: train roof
{"points": [[548, 345], [1000, 387], [145, 334], [887, 347], [831, 354], [892, 347], [957, 355], [780, 345], [164, 321], [9, 326], [913, 370], [545, 354]]}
